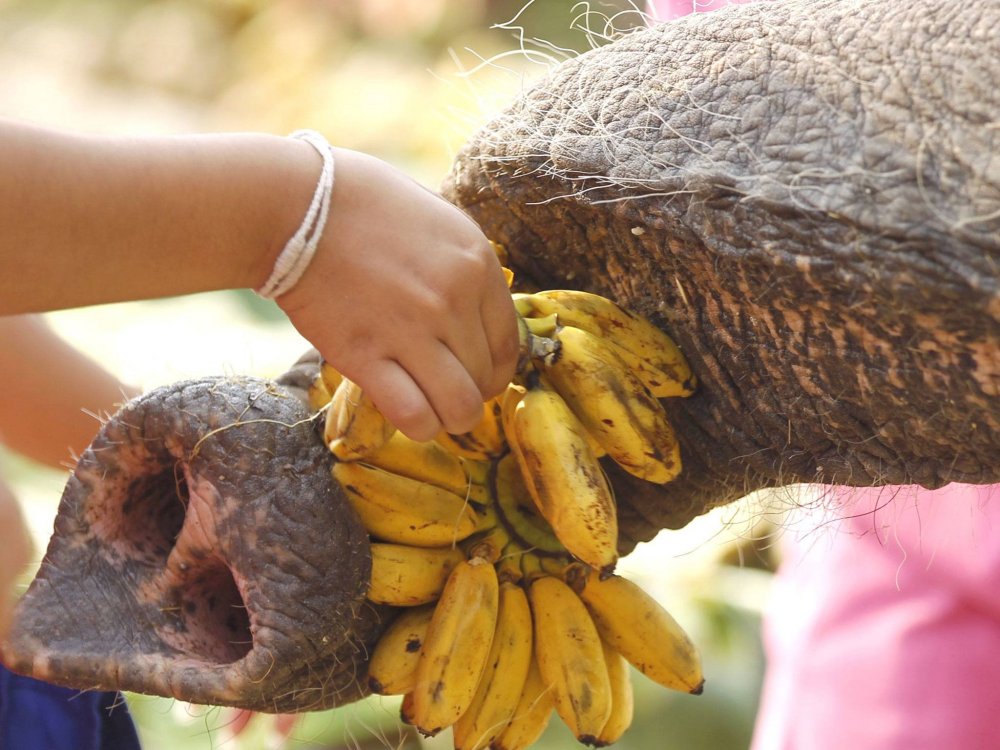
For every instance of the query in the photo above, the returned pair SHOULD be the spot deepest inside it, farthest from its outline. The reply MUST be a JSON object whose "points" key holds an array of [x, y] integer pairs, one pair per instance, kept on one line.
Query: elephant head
{"points": [[806, 195]]}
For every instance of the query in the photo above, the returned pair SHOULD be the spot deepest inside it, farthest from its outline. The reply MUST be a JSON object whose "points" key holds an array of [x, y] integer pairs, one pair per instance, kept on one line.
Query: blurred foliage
{"points": [[405, 80], [382, 76]]}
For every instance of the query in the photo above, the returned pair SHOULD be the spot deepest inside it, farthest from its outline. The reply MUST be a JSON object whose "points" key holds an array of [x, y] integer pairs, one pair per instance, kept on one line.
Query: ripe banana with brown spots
{"points": [[405, 576], [483, 442], [502, 680], [562, 473], [392, 669], [570, 658], [613, 405], [640, 629], [647, 350], [531, 715], [457, 646], [355, 428], [399, 509]]}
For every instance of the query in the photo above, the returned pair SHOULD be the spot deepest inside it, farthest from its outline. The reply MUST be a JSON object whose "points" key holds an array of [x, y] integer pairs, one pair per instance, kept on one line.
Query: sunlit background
{"points": [[408, 81]]}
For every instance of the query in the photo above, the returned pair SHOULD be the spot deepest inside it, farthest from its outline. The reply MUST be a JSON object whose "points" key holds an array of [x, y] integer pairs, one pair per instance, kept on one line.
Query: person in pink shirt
{"points": [[884, 628]]}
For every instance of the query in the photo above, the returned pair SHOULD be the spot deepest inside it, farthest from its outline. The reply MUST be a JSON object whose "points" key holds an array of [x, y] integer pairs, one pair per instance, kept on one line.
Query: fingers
{"points": [[500, 328], [399, 398], [452, 392], [483, 332], [430, 392]]}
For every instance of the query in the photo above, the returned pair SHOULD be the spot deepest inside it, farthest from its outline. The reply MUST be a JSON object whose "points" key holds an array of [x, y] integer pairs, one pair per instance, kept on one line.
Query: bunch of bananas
{"points": [[501, 543]]}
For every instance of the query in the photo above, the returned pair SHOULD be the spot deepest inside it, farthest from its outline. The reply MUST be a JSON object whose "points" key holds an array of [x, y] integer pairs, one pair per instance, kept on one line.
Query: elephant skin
{"points": [[806, 196], [203, 551]]}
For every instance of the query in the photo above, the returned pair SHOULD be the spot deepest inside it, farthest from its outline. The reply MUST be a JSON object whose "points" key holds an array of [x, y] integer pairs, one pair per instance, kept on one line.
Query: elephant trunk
{"points": [[202, 550]]}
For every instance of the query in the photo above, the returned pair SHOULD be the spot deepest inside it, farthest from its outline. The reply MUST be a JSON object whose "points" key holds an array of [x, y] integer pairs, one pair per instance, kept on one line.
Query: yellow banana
{"points": [[648, 351], [518, 511], [457, 646], [354, 427], [614, 406], [395, 508], [489, 545], [501, 252], [484, 442], [429, 462], [506, 670], [330, 377], [562, 474], [319, 394], [509, 565], [641, 630], [392, 669], [406, 709], [622, 704], [531, 716], [570, 658], [406, 576]]}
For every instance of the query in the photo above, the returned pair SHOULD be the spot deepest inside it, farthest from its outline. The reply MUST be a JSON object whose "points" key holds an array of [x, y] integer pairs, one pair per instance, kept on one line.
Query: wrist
{"points": [[295, 169]]}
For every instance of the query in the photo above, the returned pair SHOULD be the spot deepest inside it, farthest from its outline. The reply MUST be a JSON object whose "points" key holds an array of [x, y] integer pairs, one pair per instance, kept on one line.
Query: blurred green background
{"points": [[408, 81]]}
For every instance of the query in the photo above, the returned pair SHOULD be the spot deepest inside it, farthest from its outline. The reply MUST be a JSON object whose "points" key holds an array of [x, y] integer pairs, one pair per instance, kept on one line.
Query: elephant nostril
{"points": [[208, 618], [143, 518]]}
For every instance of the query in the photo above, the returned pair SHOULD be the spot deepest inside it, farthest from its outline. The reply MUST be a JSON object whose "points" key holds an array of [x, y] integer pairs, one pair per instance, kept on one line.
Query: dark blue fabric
{"points": [[37, 716]]}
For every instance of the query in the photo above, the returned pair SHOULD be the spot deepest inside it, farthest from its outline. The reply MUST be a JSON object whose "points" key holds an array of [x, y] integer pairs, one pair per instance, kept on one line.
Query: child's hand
{"points": [[405, 297]]}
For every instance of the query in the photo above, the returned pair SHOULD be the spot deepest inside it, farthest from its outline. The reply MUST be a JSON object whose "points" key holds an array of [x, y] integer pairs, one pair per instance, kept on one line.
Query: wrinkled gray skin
{"points": [[202, 551], [806, 195]]}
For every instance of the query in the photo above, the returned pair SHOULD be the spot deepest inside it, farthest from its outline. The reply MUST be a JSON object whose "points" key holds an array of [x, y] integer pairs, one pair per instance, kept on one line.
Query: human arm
{"points": [[52, 396], [403, 296]]}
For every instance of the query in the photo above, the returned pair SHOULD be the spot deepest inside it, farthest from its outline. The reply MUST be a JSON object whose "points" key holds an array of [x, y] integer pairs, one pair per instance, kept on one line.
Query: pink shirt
{"points": [[884, 629], [665, 10]]}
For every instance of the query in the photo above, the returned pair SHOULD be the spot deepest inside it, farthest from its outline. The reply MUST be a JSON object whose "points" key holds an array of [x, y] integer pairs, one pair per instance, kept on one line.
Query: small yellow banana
{"points": [[488, 545], [570, 658], [614, 405], [622, 704], [429, 462], [457, 646], [318, 392], [531, 716], [645, 348], [392, 669], [354, 427], [395, 508], [406, 576], [634, 624], [518, 511], [330, 377], [509, 565], [506, 670], [562, 474], [484, 442]]}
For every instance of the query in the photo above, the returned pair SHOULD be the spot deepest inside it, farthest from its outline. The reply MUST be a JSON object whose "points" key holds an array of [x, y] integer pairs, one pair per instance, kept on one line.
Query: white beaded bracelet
{"points": [[294, 258]]}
